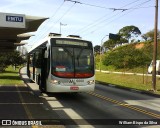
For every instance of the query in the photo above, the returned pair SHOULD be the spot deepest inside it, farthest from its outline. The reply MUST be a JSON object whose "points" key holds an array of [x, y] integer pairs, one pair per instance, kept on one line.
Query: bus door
{"points": [[42, 85]]}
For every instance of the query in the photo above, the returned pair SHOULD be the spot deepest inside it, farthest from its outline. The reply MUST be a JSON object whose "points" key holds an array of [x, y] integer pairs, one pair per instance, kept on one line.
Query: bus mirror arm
{"points": [[46, 54]]}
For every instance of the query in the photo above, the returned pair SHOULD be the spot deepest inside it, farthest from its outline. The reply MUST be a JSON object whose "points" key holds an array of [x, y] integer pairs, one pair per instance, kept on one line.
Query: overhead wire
{"points": [[93, 24], [42, 27], [99, 20], [131, 9], [43, 34], [52, 25]]}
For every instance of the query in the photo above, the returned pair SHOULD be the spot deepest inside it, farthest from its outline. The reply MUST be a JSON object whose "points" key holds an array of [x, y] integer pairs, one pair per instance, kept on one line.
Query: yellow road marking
{"points": [[29, 115], [125, 105]]}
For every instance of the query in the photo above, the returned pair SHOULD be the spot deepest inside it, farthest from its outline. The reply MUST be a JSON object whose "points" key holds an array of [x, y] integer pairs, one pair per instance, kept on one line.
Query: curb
{"points": [[27, 81], [128, 89]]}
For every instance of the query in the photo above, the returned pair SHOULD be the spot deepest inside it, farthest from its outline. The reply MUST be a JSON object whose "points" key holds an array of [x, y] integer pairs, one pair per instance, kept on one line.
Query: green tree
{"points": [[110, 44], [129, 31], [127, 57], [150, 35], [97, 48], [4, 61], [16, 59]]}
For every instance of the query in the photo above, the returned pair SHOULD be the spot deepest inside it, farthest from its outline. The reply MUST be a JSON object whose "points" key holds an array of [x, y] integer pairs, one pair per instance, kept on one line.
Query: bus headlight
{"points": [[55, 82], [90, 82]]}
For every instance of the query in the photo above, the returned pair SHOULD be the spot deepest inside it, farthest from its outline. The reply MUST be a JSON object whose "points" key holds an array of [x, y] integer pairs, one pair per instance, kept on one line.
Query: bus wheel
{"points": [[41, 89]]}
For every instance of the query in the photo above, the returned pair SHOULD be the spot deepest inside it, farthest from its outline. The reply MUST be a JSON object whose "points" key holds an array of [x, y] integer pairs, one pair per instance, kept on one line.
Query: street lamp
{"points": [[61, 25], [101, 52]]}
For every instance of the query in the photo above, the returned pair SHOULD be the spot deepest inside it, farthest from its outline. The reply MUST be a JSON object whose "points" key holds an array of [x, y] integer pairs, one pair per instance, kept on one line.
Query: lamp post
{"points": [[101, 53], [61, 25]]}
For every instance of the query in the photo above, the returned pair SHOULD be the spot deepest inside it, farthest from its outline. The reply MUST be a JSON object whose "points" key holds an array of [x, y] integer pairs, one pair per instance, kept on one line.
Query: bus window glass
{"points": [[62, 62], [83, 62], [72, 62]]}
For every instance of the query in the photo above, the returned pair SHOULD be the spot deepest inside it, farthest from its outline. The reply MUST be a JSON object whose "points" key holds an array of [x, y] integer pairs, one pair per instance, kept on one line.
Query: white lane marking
{"points": [[16, 91], [18, 103]]}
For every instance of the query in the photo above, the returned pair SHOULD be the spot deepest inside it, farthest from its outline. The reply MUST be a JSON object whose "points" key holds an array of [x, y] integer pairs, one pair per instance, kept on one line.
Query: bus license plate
{"points": [[74, 88]]}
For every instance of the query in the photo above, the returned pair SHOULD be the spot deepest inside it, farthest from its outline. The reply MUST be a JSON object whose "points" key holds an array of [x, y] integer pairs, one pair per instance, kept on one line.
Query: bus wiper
{"points": [[66, 50]]}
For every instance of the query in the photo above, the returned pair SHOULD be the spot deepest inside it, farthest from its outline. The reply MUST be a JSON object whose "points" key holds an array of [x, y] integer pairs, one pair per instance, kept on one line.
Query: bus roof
{"points": [[42, 43]]}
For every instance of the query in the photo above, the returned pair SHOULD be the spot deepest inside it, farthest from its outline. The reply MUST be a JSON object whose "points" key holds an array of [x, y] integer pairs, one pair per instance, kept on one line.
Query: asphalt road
{"points": [[103, 108], [19, 103], [107, 103]]}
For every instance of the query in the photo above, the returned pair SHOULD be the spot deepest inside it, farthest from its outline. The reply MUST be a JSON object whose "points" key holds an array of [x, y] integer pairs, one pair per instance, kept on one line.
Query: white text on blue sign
{"points": [[14, 18]]}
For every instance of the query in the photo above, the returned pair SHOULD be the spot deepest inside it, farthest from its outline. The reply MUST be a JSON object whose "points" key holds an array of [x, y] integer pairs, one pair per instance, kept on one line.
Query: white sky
{"points": [[90, 22]]}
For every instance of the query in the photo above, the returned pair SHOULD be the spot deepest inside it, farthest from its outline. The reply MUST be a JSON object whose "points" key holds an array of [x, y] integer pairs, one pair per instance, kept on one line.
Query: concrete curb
{"points": [[33, 86], [129, 89]]}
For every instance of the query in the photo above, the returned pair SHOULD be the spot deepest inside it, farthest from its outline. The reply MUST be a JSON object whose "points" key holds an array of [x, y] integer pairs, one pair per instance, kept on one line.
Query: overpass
{"points": [[13, 29]]}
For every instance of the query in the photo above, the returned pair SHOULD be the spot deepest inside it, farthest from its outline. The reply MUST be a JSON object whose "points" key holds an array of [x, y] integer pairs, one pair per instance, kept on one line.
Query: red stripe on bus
{"points": [[71, 74]]}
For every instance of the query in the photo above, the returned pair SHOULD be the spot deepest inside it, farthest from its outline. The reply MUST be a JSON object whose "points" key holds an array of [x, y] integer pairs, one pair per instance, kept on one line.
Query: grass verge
{"points": [[10, 76], [130, 81]]}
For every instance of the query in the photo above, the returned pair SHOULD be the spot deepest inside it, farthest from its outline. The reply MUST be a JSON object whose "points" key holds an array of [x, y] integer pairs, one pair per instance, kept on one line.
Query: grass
{"points": [[130, 81], [10, 77], [133, 70]]}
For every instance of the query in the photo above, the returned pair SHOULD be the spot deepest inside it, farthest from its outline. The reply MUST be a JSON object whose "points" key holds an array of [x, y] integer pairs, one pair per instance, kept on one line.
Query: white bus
{"points": [[62, 64]]}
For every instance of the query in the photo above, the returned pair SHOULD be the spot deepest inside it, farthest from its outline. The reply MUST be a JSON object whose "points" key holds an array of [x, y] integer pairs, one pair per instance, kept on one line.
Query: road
{"points": [[19, 103], [103, 108], [107, 103]]}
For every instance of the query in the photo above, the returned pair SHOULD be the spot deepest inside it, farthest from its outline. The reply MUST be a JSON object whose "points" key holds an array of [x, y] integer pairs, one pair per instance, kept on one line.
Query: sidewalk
{"points": [[27, 81]]}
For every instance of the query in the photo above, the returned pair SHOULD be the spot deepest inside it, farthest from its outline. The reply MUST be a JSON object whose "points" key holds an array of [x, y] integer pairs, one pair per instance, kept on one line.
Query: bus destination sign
{"points": [[71, 43]]}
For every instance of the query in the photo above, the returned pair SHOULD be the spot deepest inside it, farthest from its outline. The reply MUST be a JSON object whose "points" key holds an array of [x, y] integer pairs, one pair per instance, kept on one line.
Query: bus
{"points": [[62, 64]]}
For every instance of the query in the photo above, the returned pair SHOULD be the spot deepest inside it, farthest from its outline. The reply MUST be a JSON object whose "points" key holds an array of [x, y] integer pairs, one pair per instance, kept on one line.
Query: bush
{"points": [[128, 57], [4, 61]]}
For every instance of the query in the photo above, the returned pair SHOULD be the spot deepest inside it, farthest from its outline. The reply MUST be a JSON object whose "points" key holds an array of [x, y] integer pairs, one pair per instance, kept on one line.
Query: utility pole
{"points": [[155, 48]]}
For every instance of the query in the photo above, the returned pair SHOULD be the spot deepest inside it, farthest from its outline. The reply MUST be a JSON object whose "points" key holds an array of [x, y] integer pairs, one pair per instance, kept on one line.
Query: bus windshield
{"points": [[72, 62]]}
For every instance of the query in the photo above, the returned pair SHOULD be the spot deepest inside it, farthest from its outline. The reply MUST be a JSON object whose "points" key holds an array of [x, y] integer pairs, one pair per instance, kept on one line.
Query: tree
{"points": [[127, 56], [97, 48], [150, 35], [129, 31], [16, 59], [4, 61], [110, 44]]}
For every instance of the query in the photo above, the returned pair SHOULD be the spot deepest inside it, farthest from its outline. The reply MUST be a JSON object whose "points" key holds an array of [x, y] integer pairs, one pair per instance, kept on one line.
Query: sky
{"points": [[93, 20]]}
